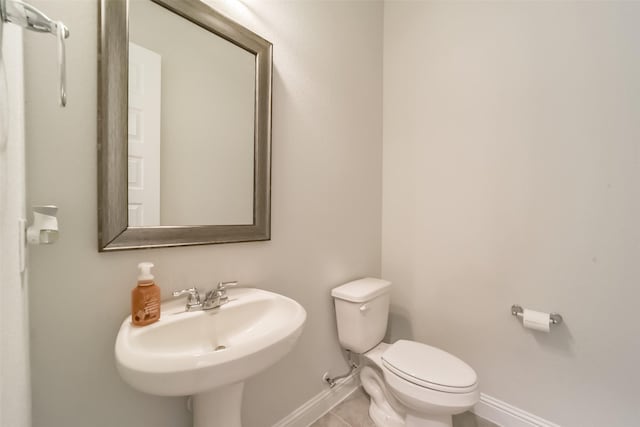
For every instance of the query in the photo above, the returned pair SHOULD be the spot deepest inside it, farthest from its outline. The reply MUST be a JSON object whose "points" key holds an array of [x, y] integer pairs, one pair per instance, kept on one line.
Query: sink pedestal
{"points": [[218, 407]]}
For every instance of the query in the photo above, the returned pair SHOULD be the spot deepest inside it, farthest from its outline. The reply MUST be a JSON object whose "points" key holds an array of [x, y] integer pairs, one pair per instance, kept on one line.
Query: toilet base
{"points": [[380, 410], [431, 421], [381, 418], [384, 414]]}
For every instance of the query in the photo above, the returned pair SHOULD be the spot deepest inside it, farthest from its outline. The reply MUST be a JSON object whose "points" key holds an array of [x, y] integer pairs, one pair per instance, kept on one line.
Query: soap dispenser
{"points": [[145, 298]]}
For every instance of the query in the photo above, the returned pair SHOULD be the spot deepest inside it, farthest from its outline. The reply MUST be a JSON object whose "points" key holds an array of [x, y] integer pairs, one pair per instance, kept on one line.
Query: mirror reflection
{"points": [[191, 123]]}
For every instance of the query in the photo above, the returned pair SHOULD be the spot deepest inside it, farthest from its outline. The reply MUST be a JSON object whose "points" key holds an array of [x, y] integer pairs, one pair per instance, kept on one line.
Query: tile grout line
{"points": [[340, 418]]}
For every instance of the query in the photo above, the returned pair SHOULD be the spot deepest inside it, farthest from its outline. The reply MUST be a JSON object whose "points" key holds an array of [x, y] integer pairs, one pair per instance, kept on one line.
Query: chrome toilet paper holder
{"points": [[554, 318]]}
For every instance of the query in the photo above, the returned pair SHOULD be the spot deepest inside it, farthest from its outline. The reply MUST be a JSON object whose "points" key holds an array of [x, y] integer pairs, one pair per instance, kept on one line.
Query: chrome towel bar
{"points": [[30, 18]]}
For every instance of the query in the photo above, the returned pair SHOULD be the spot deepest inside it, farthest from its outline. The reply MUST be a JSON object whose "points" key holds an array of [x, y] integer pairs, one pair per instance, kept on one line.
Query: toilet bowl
{"points": [[410, 384]]}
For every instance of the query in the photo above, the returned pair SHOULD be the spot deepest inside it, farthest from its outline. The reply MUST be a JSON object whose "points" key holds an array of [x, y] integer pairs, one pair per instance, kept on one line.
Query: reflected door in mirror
{"points": [[144, 136]]}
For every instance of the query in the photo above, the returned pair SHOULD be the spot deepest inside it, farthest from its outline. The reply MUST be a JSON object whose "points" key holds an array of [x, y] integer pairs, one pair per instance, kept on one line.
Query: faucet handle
{"points": [[194, 296], [222, 286]]}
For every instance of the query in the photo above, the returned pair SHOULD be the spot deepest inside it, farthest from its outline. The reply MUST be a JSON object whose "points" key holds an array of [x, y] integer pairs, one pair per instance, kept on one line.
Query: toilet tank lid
{"points": [[361, 290]]}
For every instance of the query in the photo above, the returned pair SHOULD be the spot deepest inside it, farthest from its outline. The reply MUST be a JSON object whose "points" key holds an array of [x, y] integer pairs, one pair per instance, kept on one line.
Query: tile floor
{"points": [[354, 412]]}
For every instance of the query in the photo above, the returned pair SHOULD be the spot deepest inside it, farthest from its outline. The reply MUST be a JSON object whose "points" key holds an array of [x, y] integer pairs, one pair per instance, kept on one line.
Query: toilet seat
{"points": [[429, 367], [426, 400]]}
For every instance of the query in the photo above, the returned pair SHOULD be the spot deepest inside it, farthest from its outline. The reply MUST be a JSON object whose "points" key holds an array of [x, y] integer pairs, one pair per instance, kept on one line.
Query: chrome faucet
{"points": [[213, 298], [218, 296], [193, 300]]}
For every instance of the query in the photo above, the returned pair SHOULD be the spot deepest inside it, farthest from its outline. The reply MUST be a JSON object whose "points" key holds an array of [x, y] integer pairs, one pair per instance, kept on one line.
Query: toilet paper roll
{"points": [[535, 320]]}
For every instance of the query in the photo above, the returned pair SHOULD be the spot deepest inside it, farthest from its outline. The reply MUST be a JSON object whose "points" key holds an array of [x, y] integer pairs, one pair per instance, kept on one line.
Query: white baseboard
{"points": [[321, 403], [489, 408], [506, 415]]}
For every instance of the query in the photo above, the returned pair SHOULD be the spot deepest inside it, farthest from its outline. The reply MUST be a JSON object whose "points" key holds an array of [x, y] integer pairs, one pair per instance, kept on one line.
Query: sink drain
{"points": [[219, 348]]}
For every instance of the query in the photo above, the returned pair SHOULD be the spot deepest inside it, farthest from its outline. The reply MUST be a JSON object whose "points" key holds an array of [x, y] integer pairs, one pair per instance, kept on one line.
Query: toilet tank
{"points": [[362, 310]]}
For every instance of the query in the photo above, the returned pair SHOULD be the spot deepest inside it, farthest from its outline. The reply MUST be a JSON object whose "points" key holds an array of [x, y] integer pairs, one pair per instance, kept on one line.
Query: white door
{"points": [[144, 136]]}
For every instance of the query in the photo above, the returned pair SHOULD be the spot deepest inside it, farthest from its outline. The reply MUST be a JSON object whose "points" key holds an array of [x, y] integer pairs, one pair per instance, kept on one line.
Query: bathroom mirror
{"points": [[184, 120]]}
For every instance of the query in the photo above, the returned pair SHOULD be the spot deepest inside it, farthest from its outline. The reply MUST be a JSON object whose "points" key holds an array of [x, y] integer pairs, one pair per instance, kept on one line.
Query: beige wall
{"points": [[326, 213], [511, 175]]}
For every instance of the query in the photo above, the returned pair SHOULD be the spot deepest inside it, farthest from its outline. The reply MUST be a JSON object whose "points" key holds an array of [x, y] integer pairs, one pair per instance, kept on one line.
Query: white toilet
{"points": [[410, 384]]}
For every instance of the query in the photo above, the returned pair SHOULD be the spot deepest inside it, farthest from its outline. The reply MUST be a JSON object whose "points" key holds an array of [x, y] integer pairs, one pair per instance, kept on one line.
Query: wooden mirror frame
{"points": [[114, 232]]}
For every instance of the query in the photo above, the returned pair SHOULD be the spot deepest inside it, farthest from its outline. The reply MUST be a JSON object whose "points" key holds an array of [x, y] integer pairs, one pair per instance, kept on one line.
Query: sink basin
{"points": [[194, 353]]}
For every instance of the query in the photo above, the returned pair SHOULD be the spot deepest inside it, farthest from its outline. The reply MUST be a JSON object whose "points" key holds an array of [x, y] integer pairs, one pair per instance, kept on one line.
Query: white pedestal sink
{"points": [[209, 354]]}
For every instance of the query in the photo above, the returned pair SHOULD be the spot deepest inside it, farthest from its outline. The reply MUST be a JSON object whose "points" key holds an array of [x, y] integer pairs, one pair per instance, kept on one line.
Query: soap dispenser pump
{"points": [[145, 298]]}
